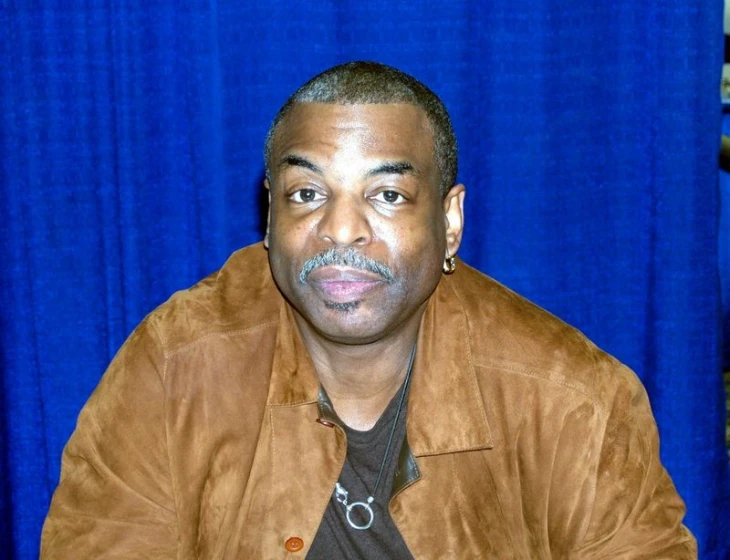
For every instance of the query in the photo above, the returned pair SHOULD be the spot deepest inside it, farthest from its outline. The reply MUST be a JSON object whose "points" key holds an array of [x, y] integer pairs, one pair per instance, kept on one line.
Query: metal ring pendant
{"points": [[364, 505]]}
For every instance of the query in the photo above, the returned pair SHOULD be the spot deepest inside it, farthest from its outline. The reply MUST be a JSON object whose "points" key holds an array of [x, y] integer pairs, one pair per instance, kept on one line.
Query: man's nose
{"points": [[345, 222]]}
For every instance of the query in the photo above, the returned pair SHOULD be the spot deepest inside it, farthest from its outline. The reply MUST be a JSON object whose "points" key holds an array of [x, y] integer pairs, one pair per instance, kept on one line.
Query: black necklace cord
{"points": [[397, 416]]}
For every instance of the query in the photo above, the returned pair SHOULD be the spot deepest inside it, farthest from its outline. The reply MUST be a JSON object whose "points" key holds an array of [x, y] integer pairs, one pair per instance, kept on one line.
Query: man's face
{"points": [[358, 230]]}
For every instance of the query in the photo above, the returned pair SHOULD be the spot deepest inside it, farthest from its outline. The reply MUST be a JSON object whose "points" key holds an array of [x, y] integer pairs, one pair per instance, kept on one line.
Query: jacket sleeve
{"points": [[115, 497], [637, 512]]}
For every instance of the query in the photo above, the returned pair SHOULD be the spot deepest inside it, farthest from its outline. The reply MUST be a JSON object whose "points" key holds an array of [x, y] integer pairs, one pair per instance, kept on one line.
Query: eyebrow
{"points": [[392, 168], [386, 168], [298, 161]]}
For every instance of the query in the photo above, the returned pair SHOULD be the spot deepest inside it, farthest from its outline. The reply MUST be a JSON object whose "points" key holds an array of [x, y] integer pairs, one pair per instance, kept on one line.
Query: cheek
{"points": [[286, 252], [416, 248], [289, 236]]}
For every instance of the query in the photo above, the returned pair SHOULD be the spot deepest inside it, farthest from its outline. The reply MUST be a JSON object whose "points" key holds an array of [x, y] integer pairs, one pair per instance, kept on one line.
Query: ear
{"points": [[268, 214], [454, 216]]}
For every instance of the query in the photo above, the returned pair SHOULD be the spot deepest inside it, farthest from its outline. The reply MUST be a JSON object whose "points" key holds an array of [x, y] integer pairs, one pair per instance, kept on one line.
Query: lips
{"points": [[341, 284]]}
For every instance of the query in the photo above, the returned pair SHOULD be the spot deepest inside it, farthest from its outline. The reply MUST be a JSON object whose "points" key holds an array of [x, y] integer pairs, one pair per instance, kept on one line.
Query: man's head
{"points": [[359, 223], [360, 83]]}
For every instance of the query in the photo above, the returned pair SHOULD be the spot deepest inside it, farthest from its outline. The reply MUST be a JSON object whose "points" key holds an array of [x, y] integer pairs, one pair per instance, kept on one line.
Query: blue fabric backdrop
{"points": [[131, 139]]}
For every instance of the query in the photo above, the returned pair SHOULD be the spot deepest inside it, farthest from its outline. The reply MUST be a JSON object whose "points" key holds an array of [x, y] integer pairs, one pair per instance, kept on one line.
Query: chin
{"points": [[343, 324], [352, 338]]}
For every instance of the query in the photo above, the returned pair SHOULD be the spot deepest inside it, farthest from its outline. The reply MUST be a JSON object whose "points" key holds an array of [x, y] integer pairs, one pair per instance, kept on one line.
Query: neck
{"points": [[361, 380]]}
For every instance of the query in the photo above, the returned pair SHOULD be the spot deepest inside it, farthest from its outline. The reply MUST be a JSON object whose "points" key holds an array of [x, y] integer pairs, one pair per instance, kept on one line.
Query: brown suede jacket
{"points": [[524, 440]]}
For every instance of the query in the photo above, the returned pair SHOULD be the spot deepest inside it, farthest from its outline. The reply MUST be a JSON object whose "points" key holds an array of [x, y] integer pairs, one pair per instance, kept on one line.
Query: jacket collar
{"points": [[293, 378], [445, 408]]}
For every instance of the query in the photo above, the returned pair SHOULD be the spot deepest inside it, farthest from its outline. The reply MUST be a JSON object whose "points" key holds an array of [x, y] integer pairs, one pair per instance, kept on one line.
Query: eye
{"points": [[390, 197], [304, 196]]}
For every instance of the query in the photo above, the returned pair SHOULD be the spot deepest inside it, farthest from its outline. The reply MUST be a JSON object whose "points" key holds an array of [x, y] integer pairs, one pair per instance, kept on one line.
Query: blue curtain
{"points": [[130, 150]]}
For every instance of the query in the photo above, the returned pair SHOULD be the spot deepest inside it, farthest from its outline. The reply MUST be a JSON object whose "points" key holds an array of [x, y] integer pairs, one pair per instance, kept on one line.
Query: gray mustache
{"points": [[345, 257]]}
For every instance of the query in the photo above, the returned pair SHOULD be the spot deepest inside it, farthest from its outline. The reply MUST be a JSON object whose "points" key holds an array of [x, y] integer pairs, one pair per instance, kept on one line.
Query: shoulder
{"points": [[240, 297], [527, 344]]}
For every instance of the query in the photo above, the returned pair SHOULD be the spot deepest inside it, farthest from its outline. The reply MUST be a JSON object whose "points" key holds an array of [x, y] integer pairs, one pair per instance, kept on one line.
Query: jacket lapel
{"points": [[446, 411], [298, 459]]}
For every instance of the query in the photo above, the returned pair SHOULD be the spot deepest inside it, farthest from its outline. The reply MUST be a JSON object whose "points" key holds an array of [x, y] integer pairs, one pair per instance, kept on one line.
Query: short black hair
{"points": [[363, 82]]}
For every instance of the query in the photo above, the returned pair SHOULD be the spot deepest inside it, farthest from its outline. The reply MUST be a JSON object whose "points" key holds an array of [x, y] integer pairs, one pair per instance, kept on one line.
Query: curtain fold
{"points": [[131, 166]]}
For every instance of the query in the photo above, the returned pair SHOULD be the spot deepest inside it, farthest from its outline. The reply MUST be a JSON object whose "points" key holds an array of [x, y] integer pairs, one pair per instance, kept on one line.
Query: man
{"points": [[347, 389]]}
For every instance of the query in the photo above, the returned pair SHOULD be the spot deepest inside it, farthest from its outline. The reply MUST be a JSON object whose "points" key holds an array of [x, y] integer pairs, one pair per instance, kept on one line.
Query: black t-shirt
{"points": [[335, 537]]}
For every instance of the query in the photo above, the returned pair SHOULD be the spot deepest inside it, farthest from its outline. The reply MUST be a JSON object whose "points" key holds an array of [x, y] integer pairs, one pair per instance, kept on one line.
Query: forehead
{"points": [[383, 131]]}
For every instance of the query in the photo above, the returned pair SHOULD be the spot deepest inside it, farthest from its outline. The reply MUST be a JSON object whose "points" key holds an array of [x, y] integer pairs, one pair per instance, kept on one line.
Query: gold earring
{"points": [[449, 265]]}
